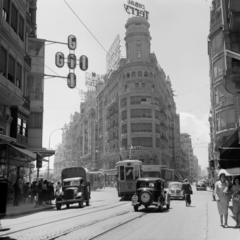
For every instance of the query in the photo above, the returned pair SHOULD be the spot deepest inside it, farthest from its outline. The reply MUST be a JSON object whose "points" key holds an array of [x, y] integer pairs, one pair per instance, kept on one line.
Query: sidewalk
{"points": [[214, 230], [25, 208]]}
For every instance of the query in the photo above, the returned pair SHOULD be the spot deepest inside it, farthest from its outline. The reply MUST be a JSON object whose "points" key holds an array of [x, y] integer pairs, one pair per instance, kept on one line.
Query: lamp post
{"points": [[49, 147]]}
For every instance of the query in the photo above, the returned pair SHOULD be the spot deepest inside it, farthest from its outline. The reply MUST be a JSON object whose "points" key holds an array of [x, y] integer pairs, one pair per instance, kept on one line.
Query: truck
{"points": [[75, 187]]}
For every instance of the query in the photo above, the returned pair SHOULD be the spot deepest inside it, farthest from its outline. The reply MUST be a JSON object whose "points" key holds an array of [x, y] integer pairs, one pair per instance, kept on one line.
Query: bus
{"points": [[128, 171]]}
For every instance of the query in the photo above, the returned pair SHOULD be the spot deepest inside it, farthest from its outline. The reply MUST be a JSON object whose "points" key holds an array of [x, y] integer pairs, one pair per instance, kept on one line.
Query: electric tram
{"points": [[128, 171], [96, 180]]}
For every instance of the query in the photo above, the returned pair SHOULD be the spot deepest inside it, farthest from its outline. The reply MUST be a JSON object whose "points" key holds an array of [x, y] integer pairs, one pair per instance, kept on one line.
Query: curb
{"points": [[33, 210]]}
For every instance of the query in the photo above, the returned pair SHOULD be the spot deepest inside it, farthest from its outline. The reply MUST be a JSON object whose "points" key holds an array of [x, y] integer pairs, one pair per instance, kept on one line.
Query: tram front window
{"points": [[136, 172], [129, 173], [121, 172]]}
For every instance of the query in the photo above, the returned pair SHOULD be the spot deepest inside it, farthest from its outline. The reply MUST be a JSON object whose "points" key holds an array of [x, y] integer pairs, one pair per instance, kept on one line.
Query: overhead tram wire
{"points": [[85, 26], [193, 90], [197, 106]]}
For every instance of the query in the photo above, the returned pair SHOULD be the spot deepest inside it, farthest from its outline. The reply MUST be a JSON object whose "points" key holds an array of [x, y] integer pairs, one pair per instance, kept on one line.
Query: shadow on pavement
{"points": [[7, 238]]}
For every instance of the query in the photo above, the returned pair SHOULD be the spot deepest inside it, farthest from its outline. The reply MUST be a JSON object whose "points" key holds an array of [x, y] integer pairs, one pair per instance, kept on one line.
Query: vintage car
{"points": [[75, 187], [150, 191], [201, 186], [175, 190]]}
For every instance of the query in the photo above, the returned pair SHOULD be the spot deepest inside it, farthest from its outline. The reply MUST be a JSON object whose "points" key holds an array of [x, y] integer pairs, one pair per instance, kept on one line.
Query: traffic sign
{"points": [[83, 63]]}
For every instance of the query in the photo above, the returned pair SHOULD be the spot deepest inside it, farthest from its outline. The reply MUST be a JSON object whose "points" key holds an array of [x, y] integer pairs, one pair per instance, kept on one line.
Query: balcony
{"points": [[10, 94], [225, 127]]}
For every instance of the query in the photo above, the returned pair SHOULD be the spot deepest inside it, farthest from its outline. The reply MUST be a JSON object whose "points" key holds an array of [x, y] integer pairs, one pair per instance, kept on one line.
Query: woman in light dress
{"points": [[222, 196], [235, 191]]}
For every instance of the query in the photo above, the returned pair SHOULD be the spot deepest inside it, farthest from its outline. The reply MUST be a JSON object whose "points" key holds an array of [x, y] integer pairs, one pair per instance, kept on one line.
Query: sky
{"points": [[179, 31]]}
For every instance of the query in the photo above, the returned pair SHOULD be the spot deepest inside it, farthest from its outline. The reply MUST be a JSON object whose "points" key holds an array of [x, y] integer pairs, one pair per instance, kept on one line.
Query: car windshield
{"points": [[146, 184], [175, 185]]}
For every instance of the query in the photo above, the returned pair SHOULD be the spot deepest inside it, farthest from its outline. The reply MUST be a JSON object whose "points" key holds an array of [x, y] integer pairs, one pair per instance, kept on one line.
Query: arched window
{"points": [[139, 55], [123, 76], [151, 75], [133, 74], [145, 74], [138, 43], [139, 74], [128, 75]]}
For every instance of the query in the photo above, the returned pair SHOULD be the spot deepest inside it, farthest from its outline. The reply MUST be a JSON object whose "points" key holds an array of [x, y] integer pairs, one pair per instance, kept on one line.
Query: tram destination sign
{"points": [[136, 9]]}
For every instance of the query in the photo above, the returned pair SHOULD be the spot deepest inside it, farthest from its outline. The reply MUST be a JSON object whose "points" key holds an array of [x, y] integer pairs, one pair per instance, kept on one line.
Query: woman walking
{"points": [[235, 191], [222, 197]]}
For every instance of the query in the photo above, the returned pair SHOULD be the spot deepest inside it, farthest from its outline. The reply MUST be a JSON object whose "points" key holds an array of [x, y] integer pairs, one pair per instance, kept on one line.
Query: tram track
{"points": [[59, 220], [99, 221]]}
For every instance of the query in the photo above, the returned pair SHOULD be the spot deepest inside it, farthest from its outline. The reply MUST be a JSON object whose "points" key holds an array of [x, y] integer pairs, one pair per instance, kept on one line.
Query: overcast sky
{"points": [[179, 31]]}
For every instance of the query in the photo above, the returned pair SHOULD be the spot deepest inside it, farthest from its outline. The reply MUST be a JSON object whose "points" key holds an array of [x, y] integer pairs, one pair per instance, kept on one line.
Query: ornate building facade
{"points": [[224, 75]]}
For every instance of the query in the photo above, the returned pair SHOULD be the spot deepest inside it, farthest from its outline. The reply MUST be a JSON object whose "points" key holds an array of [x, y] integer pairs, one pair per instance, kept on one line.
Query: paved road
{"points": [[109, 218]]}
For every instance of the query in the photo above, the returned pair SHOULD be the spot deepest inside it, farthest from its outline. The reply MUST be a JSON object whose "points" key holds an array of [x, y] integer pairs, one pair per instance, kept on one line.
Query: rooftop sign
{"points": [[136, 9]]}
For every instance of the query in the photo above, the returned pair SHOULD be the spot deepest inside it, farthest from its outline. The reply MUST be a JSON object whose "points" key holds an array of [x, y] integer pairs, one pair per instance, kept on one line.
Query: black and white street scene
{"points": [[119, 120]]}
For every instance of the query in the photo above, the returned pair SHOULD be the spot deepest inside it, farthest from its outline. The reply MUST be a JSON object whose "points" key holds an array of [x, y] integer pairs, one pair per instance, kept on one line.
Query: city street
{"points": [[109, 218]]}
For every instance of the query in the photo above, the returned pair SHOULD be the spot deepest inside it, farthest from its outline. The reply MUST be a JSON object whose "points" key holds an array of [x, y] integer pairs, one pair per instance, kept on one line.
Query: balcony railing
{"points": [[225, 126]]}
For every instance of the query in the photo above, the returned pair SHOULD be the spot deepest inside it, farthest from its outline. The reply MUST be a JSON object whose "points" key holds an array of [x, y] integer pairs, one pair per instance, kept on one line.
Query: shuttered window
{"points": [[3, 61], [5, 10], [19, 75], [21, 28], [11, 69], [14, 18]]}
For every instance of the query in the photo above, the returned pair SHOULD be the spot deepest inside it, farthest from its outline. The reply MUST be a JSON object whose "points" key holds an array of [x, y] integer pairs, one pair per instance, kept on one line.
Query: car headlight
{"points": [[75, 191], [134, 197]]}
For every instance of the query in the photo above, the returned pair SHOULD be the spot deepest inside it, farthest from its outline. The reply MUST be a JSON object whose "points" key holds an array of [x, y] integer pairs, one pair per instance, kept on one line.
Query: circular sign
{"points": [[59, 59], [72, 42], [72, 62], [83, 63], [71, 80]]}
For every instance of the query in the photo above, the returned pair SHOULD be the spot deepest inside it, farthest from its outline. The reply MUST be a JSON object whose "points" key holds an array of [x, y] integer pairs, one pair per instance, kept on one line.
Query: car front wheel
{"points": [[58, 205]]}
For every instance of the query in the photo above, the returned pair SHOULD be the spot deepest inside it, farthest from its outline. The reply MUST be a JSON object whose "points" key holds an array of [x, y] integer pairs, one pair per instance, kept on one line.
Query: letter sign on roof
{"points": [[59, 59], [72, 42], [72, 61], [83, 63], [71, 80]]}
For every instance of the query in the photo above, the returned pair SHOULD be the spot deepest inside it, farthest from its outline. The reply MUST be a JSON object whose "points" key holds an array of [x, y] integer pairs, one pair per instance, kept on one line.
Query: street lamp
{"points": [[49, 147]]}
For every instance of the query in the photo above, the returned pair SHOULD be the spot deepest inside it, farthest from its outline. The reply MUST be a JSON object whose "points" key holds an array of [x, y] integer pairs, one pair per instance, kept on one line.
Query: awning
{"points": [[25, 151], [230, 171], [230, 151], [6, 138]]}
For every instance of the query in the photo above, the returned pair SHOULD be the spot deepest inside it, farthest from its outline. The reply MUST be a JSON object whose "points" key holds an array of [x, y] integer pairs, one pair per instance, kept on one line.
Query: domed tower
{"points": [[137, 40]]}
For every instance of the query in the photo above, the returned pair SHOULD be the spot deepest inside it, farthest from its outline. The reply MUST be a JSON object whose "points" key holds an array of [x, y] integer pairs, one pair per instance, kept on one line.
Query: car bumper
{"points": [[176, 196], [68, 201]]}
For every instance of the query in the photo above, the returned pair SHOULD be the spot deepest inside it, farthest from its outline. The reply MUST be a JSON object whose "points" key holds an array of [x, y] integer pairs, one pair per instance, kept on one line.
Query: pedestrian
{"points": [[39, 191], [44, 193], [25, 192], [58, 187], [16, 193], [187, 190], [222, 197], [51, 192], [33, 191], [235, 191]]}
